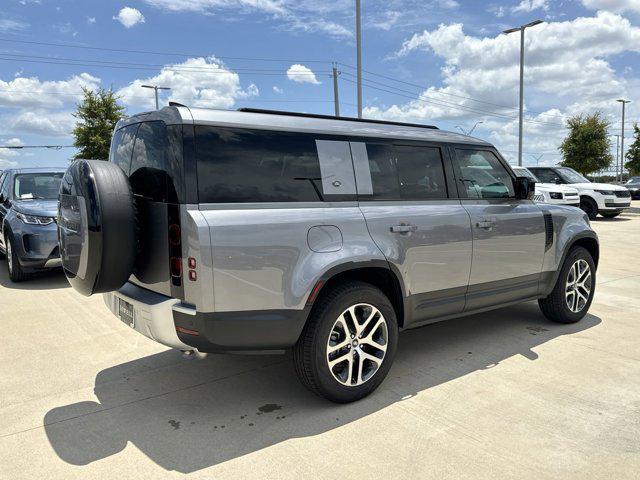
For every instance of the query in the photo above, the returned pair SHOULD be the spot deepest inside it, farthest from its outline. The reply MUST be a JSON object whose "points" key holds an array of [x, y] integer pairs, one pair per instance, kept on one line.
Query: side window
{"points": [[4, 188], [156, 165], [483, 176], [421, 173], [250, 166], [122, 147], [384, 174], [546, 175], [2, 177]]}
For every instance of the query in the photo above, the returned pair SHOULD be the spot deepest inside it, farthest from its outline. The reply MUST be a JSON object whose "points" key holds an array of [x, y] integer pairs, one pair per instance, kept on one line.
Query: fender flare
{"points": [[567, 248]]}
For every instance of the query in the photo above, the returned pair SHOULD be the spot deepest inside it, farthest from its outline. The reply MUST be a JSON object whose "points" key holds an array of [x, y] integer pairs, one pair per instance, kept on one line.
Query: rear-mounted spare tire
{"points": [[96, 226]]}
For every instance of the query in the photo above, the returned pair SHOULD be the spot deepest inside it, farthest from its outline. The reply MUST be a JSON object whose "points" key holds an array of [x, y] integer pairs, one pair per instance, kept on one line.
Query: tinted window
{"points": [[546, 175], [421, 173], [122, 147], [3, 177], [242, 166], [384, 174], [36, 186], [156, 165], [483, 176]]}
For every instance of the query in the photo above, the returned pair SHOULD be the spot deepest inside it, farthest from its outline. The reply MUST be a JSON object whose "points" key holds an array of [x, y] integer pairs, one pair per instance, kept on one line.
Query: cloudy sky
{"points": [[441, 62]]}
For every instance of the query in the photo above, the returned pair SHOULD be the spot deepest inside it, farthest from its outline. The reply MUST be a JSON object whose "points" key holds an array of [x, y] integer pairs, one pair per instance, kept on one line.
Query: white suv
{"points": [[550, 192], [604, 198]]}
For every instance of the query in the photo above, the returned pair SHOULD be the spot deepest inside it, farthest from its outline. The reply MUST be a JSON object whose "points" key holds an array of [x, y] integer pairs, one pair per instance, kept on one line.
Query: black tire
{"points": [[97, 215], [590, 207], [555, 307], [610, 214], [16, 273], [310, 352]]}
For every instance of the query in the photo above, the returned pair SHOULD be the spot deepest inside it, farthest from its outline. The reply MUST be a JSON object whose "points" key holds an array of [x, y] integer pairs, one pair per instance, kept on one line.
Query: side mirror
{"points": [[525, 188]]}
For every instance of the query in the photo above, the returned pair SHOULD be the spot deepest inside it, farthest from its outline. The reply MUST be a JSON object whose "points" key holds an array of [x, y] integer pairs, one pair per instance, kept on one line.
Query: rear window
{"points": [[122, 147], [251, 166], [156, 171]]}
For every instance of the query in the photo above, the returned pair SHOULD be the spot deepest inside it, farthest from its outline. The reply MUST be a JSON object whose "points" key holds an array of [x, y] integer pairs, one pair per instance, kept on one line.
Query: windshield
{"points": [[37, 186], [525, 172], [569, 175], [633, 180]]}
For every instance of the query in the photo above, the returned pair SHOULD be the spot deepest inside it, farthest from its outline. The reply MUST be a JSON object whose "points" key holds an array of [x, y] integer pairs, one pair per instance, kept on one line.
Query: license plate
{"points": [[126, 312]]}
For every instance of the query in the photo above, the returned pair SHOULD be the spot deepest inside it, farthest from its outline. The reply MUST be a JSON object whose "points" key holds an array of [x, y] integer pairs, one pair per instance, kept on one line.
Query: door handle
{"points": [[404, 228], [485, 224]]}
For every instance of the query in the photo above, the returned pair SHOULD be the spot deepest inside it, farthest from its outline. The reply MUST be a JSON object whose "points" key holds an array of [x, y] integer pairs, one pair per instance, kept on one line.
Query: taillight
{"points": [[176, 266], [191, 262], [174, 234]]}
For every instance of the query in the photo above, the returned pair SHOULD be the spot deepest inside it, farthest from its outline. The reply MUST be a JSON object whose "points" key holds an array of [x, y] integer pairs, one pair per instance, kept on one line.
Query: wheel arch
{"points": [[376, 272], [586, 239]]}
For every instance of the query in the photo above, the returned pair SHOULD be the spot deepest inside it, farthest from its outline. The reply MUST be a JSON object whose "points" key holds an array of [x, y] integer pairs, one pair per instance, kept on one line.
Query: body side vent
{"points": [[548, 230]]}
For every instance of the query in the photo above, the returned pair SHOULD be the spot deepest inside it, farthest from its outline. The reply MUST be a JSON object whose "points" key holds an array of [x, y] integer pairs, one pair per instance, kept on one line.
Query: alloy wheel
{"points": [[357, 344], [9, 255], [578, 286]]}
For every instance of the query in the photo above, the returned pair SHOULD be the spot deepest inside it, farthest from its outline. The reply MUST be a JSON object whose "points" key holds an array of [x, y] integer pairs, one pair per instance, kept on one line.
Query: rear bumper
{"points": [[153, 313], [169, 322]]}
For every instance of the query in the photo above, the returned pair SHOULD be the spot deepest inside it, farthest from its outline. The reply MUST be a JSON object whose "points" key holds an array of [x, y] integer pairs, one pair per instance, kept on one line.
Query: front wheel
{"points": [[16, 274], [573, 293], [590, 207], [348, 344]]}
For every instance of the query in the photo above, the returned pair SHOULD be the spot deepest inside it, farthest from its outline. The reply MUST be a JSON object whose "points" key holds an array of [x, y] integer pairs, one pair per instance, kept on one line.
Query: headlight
{"points": [[34, 219], [556, 195], [605, 192]]}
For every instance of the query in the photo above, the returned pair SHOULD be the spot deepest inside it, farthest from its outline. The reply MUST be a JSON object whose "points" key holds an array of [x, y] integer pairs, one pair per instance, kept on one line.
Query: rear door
{"points": [[508, 234], [407, 195]]}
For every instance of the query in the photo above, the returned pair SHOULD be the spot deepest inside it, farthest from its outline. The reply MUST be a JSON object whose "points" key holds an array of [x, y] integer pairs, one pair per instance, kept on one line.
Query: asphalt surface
{"points": [[505, 394]]}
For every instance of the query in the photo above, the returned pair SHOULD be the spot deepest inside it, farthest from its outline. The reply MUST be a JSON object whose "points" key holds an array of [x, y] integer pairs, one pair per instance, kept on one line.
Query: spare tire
{"points": [[96, 226]]}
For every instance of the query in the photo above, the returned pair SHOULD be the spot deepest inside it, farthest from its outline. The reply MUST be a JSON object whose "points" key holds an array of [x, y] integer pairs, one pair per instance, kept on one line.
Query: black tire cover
{"points": [[96, 226]]}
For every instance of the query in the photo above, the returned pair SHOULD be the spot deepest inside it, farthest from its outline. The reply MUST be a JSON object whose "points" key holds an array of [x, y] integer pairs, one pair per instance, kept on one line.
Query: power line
{"points": [[150, 52], [20, 147]]}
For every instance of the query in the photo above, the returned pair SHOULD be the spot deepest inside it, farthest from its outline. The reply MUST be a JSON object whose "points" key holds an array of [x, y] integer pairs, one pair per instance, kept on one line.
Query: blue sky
{"points": [[429, 61]]}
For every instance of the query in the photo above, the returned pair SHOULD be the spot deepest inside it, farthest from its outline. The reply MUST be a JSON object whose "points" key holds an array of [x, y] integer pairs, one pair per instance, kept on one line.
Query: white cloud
{"points": [[617, 6], [277, 90], [13, 142], [43, 122], [91, 20], [567, 72], [129, 17], [31, 92], [301, 74], [531, 5], [11, 26], [450, 4], [200, 82]]}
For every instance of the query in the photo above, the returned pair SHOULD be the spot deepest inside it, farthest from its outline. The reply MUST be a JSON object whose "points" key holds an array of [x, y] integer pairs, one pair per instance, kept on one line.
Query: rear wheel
{"points": [[348, 344], [573, 293], [590, 207], [610, 214], [16, 274]]}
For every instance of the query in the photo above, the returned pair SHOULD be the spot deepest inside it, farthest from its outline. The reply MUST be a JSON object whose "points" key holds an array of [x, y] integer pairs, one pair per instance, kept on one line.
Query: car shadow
{"points": [[46, 280], [190, 415], [613, 220]]}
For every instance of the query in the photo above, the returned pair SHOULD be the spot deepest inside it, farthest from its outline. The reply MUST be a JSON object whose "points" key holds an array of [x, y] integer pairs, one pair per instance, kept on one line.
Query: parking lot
{"points": [[501, 394]]}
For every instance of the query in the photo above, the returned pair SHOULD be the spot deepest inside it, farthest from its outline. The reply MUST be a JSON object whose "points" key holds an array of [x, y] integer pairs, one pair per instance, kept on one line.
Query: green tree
{"points": [[633, 154], [587, 146], [97, 116]]}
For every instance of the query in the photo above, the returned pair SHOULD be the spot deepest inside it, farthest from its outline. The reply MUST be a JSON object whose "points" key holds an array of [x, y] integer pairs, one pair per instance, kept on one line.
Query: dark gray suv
{"points": [[257, 231], [28, 210]]}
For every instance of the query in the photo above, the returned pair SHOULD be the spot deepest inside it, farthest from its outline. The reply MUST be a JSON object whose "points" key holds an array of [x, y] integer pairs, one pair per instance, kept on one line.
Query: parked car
{"points": [[605, 199], [28, 210], [550, 192], [257, 231], [633, 184]]}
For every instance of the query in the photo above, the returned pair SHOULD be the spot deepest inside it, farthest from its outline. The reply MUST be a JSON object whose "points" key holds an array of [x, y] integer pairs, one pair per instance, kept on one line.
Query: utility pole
{"points": [[359, 57], [156, 88], [336, 99], [537, 158], [521, 29], [617, 153], [624, 104], [464, 132]]}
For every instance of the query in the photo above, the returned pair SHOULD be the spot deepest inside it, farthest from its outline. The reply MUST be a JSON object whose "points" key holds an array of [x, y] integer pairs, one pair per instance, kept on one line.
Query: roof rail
{"points": [[332, 117]]}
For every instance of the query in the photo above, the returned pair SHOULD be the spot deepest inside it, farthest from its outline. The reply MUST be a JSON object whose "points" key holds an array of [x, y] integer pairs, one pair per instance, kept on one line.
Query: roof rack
{"points": [[332, 117]]}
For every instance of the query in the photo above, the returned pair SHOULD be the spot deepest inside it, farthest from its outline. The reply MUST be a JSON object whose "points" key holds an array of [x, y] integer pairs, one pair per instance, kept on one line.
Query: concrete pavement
{"points": [[499, 395]]}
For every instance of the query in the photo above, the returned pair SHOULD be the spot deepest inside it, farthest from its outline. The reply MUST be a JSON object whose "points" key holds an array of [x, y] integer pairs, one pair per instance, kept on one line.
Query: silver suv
{"points": [[258, 231]]}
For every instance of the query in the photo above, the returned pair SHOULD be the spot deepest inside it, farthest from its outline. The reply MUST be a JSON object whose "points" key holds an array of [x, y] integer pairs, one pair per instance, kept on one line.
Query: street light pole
{"points": [[617, 153], [336, 99], [156, 88], [359, 57], [624, 104], [521, 29]]}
